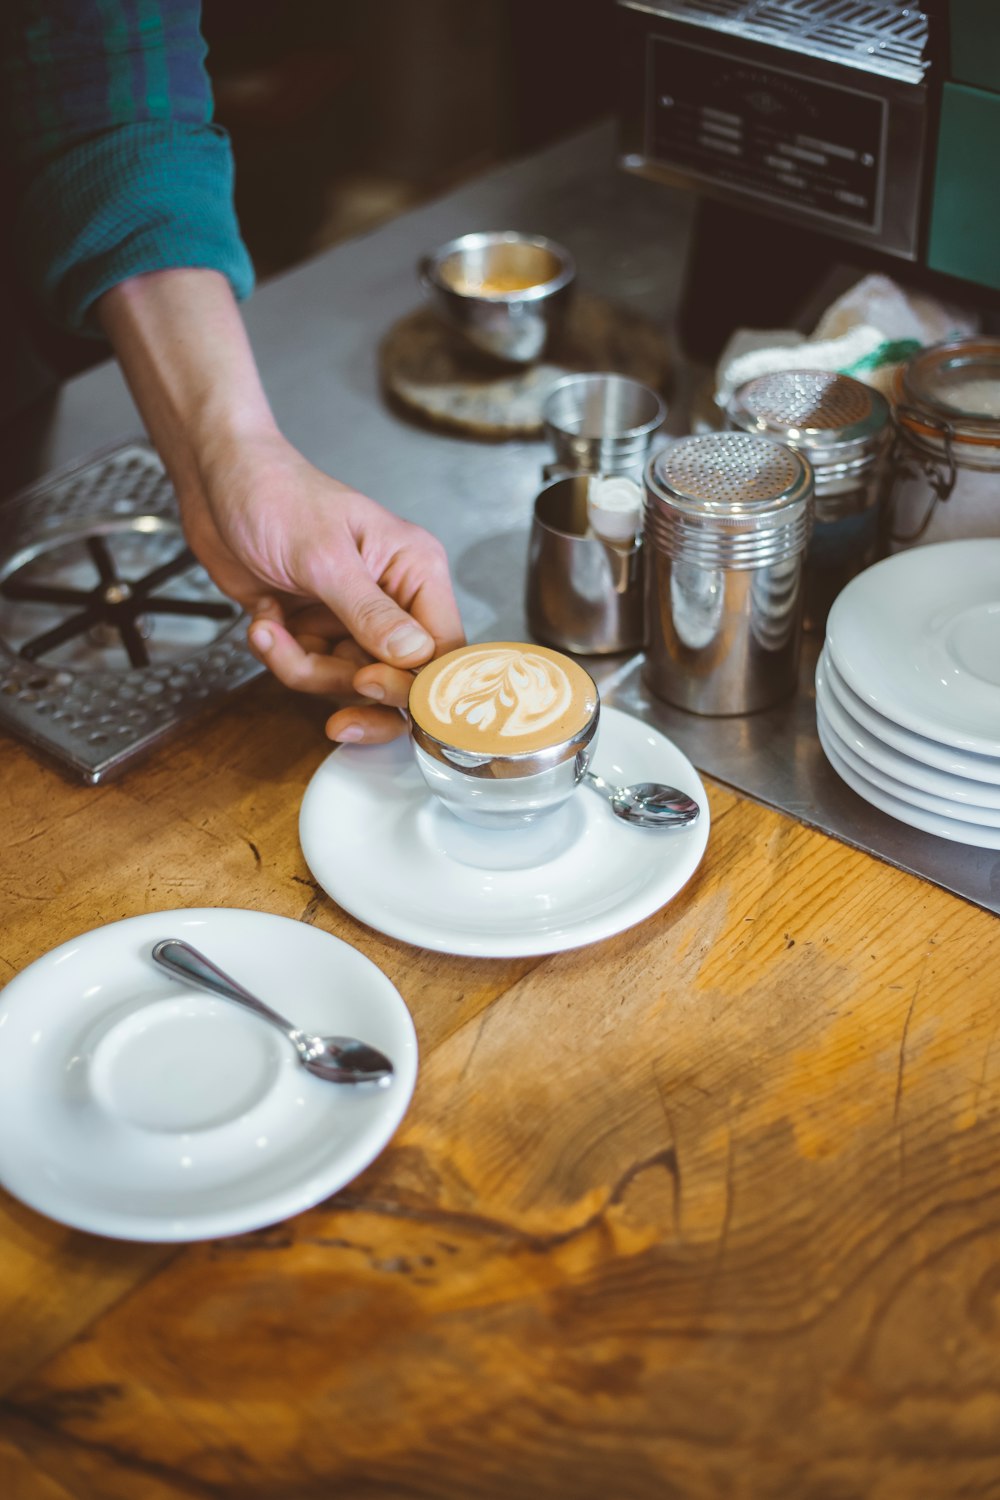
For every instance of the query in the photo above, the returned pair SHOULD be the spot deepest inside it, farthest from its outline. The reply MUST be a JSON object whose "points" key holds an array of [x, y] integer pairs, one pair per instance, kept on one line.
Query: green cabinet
{"points": [[975, 42], [965, 209]]}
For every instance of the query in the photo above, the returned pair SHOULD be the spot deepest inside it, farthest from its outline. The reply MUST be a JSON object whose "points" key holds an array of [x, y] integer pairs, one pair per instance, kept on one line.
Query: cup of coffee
{"points": [[503, 732]]}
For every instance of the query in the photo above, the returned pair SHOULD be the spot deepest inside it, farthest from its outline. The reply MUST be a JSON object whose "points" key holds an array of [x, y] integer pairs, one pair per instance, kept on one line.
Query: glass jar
{"points": [[843, 428], [946, 456]]}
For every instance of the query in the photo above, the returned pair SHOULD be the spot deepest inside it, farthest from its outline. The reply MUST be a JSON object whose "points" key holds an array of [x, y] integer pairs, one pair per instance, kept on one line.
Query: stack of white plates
{"points": [[908, 689]]}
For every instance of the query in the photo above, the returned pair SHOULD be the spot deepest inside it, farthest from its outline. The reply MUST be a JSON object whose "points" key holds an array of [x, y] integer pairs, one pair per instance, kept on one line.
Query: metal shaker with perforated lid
{"points": [[843, 428], [728, 519]]}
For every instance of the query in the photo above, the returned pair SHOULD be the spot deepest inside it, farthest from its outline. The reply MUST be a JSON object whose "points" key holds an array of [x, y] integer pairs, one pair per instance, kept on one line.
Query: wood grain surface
{"points": [[711, 1209]]}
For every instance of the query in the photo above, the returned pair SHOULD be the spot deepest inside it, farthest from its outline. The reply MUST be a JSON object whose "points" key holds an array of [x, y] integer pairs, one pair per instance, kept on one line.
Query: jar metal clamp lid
{"points": [[947, 410]]}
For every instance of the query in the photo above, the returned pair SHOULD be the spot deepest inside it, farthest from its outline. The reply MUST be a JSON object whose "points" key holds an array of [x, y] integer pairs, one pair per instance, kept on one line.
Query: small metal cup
{"points": [[504, 291], [583, 594], [602, 424]]}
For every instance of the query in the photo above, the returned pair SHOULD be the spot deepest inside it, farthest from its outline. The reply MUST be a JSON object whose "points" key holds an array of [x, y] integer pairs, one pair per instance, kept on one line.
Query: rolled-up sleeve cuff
{"points": [[150, 196]]}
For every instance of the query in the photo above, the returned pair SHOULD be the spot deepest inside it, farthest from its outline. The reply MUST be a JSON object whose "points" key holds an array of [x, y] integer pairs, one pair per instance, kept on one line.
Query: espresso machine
{"points": [[818, 130]]}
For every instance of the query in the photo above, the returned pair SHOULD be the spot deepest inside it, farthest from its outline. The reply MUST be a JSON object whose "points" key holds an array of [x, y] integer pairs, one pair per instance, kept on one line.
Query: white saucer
{"points": [[387, 852], [905, 812], [963, 763], [987, 820], [955, 796], [917, 636], [136, 1108]]}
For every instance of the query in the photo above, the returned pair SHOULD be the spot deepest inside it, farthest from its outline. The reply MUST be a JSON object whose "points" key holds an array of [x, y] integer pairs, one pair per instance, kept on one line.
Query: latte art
{"points": [[503, 699], [506, 692]]}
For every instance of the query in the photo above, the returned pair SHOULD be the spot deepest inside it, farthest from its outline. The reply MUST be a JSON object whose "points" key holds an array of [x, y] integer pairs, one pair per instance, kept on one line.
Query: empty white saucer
{"points": [[393, 857], [917, 637], [904, 812], [956, 796], [136, 1108], [917, 747]]}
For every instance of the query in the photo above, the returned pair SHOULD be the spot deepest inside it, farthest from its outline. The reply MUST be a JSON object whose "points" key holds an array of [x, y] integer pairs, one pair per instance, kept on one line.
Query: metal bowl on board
{"points": [[504, 291]]}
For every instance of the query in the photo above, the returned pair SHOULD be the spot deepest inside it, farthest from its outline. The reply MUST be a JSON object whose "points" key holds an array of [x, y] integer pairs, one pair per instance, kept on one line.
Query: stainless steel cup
{"points": [[602, 424], [504, 291], [583, 594]]}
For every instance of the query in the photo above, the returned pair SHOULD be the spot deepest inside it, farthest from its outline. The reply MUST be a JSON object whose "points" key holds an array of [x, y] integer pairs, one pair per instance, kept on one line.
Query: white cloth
{"points": [[856, 335]]}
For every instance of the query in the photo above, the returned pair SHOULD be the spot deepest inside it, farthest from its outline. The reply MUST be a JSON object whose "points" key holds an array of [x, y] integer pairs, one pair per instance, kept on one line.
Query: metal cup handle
{"points": [[908, 462]]}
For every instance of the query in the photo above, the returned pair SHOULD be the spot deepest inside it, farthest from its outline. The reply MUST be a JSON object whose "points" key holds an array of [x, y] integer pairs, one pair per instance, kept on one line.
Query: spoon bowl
{"points": [[337, 1059], [647, 804]]}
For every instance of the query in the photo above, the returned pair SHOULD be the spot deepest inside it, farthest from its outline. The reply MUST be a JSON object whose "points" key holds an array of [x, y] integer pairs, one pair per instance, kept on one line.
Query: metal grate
{"points": [[111, 634], [812, 400], [879, 35], [728, 469]]}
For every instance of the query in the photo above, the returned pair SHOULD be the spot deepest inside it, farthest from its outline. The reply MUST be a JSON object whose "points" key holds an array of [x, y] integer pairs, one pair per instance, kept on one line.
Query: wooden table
{"points": [[709, 1209]]}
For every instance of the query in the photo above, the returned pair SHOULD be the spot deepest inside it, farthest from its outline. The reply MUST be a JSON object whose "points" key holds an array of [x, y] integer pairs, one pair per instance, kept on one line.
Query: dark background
{"points": [[343, 115]]}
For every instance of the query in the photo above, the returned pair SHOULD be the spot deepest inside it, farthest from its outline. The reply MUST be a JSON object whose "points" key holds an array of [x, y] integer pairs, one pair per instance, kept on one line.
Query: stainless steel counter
{"points": [[316, 332]]}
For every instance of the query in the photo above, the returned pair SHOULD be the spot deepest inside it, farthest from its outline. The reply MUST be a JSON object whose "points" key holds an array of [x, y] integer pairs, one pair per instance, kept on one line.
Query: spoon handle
{"points": [[599, 782], [185, 962]]}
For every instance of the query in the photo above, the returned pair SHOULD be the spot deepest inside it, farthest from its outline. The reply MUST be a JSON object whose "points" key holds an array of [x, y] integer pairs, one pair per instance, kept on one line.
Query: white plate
{"points": [[381, 846], [977, 768], [917, 636], [987, 821], [954, 796], [134, 1107], [905, 812]]}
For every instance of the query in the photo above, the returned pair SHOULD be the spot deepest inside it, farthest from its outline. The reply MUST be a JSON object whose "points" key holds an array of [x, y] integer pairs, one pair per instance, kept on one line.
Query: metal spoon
{"points": [[338, 1059], [648, 804]]}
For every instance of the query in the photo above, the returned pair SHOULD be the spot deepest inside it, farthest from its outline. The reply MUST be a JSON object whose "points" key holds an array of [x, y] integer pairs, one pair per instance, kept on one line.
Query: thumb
{"points": [[376, 622]]}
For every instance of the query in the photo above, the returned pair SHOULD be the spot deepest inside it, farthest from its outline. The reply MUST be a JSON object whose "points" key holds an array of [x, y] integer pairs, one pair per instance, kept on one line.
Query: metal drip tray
{"points": [[111, 633]]}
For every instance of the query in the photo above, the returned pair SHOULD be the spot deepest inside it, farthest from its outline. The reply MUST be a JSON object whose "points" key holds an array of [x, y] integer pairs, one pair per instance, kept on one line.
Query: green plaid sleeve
{"points": [[116, 164]]}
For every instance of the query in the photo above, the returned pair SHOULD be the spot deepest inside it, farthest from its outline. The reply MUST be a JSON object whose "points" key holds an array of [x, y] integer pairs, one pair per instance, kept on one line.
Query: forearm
{"points": [[180, 340], [287, 541]]}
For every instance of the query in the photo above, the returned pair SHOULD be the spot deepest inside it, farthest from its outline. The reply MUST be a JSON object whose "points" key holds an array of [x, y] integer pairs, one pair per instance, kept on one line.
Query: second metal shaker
{"points": [[843, 428]]}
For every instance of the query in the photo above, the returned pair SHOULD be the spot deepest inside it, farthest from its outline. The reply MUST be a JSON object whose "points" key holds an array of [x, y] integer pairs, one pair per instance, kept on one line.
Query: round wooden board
{"points": [[431, 370]]}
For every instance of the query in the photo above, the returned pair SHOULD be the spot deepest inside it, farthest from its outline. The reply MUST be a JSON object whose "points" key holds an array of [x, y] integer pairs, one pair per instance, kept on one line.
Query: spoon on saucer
{"points": [[648, 804], [338, 1059]]}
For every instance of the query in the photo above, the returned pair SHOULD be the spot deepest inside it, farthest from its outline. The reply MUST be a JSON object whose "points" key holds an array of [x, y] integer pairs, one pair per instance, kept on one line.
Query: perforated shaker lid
{"points": [[831, 418], [731, 482]]}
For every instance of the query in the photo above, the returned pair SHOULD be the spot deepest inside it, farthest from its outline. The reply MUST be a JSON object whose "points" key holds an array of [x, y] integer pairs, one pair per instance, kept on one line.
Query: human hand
{"points": [[347, 598]]}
